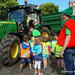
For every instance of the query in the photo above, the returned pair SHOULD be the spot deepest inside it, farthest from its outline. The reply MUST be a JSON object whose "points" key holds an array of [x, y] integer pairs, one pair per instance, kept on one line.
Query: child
{"points": [[49, 40], [35, 32], [53, 43], [37, 52], [31, 46], [45, 51], [57, 51], [24, 52]]}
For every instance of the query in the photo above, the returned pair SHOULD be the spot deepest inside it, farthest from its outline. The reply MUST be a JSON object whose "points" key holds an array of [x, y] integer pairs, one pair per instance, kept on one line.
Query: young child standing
{"points": [[37, 52], [53, 43], [57, 51], [24, 52], [31, 46], [49, 40], [45, 51]]}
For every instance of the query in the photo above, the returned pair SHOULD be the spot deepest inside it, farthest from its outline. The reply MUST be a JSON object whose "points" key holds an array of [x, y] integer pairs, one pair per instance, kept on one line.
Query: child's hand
{"points": [[34, 54], [49, 53]]}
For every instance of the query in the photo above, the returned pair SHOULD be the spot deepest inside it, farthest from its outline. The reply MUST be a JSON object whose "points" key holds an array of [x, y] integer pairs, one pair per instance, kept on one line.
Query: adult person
{"points": [[66, 39], [27, 25], [31, 23], [35, 32]]}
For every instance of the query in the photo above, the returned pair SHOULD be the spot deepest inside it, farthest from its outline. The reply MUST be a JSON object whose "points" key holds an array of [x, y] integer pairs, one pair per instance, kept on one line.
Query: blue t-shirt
{"points": [[38, 49]]}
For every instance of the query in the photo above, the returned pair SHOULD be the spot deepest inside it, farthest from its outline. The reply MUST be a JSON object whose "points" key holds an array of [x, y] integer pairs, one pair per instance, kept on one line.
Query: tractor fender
{"points": [[19, 35]]}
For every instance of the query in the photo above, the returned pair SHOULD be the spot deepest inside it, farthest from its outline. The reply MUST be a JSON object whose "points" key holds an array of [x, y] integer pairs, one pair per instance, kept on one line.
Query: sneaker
{"points": [[44, 68], [30, 69], [20, 70], [40, 73]]}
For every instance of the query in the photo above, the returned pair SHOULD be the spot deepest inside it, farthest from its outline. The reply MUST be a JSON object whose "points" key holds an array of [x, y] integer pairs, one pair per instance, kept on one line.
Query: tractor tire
{"points": [[9, 47], [46, 32]]}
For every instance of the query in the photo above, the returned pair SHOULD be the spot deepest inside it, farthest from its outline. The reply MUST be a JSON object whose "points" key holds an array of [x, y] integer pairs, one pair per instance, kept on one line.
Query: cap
{"points": [[68, 11]]}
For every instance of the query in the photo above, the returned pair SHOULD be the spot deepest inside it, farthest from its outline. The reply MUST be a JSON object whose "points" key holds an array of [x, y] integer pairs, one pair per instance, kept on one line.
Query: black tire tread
{"points": [[5, 48], [45, 29]]}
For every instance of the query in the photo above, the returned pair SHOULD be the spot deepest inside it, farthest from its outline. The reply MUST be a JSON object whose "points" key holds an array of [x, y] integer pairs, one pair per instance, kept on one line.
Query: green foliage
{"points": [[7, 3], [12, 3], [49, 8]]}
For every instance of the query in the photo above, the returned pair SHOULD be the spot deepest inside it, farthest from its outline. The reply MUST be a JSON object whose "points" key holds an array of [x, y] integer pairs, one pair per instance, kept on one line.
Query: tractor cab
{"points": [[24, 16]]}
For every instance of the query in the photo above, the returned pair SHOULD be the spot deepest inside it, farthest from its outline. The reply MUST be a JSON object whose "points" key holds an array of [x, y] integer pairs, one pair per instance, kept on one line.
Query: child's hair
{"points": [[30, 27], [37, 41], [55, 37], [50, 39], [29, 37], [25, 38], [45, 39]]}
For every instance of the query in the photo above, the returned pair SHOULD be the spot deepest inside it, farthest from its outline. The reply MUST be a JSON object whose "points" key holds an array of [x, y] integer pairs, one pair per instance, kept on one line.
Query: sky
{"points": [[63, 4]]}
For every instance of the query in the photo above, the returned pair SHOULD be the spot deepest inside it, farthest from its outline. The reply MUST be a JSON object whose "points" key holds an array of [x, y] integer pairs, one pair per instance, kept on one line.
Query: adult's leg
{"points": [[69, 61]]}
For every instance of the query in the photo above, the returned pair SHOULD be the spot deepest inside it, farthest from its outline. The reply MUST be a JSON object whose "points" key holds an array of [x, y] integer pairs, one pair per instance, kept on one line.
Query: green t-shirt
{"points": [[35, 33], [68, 31]]}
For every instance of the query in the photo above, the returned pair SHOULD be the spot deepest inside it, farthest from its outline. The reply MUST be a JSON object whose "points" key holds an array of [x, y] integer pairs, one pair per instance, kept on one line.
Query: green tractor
{"points": [[12, 31]]}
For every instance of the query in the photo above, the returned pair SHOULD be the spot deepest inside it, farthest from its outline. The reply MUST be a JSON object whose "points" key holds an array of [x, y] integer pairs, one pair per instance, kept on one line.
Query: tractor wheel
{"points": [[46, 32], [9, 47]]}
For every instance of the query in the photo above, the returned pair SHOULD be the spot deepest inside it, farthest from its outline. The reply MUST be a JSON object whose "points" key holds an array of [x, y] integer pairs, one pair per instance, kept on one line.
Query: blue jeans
{"points": [[23, 60], [69, 54]]}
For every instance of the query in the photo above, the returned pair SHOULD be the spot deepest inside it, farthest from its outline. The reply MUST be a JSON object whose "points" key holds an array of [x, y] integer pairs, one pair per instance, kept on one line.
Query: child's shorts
{"points": [[23, 60], [52, 53], [45, 55], [58, 58]]}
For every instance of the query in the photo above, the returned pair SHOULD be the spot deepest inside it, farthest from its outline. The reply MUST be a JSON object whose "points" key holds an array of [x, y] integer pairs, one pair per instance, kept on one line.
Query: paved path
{"points": [[14, 70]]}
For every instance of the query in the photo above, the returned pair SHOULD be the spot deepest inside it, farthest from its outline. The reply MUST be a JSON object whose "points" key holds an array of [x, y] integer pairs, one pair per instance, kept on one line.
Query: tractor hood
{"points": [[6, 27]]}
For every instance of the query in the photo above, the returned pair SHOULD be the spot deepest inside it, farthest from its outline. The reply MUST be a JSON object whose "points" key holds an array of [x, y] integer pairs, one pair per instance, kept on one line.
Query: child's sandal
{"points": [[35, 73]]}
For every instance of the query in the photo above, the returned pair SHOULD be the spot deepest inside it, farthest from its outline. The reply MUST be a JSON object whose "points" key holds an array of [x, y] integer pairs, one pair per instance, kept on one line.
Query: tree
{"points": [[49, 8], [7, 3]]}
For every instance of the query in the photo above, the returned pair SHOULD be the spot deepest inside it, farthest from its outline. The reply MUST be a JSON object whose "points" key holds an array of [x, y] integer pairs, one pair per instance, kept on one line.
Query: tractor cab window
{"points": [[34, 17], [16, 15]]}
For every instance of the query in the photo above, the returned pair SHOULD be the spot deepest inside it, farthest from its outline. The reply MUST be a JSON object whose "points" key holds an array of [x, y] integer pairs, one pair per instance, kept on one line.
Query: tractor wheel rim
{"points": [[45, 34], [14, 50]]}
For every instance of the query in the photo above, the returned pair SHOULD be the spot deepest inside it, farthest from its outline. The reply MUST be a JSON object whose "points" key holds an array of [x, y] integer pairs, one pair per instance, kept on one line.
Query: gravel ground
{"points": [[14, 70]]}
